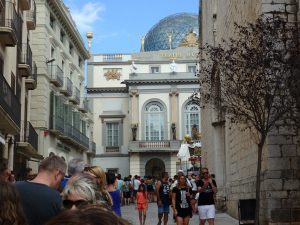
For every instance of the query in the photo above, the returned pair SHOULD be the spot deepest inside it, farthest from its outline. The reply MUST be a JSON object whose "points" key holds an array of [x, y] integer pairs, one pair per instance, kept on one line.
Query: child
{"points": [[141, 203]]}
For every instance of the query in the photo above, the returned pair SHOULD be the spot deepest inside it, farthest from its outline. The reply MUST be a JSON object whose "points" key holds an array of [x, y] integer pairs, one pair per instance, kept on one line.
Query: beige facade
{"points": [[18, 140], [59, 109], [232, 154], [124, 88]]}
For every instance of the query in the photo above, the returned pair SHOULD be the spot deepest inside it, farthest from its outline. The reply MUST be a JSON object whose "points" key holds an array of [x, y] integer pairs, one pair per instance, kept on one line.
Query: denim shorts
{"points": [[165, 208]]}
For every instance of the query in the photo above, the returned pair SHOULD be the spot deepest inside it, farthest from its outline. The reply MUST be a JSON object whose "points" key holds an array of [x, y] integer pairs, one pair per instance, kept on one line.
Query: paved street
{"points": [[131, 214]]}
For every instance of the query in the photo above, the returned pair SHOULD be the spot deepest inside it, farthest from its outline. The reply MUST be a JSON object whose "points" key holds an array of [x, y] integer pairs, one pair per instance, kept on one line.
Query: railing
{"points": [[31, 16], [9, 102], [34, 72], [68, 130], [154, 144], [77, 95], [26, 56], [56, 75], [93, 146], [112, 149], [68, 87], [76, 135], [31, 136], [2, 4], [57, 123], [84, 140], [112, 58]]}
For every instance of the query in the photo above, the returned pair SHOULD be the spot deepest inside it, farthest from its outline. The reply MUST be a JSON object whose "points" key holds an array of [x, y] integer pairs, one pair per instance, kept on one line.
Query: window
{"points": [[112, 134], [52, 21], [191, 117], [154, 69], [154, 121], [80, 62], [71, 49], [62, 36], [192, 69]]}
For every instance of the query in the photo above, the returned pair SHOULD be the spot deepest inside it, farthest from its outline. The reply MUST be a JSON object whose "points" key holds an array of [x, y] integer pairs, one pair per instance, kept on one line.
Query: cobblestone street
{"points": [[131, 214]]}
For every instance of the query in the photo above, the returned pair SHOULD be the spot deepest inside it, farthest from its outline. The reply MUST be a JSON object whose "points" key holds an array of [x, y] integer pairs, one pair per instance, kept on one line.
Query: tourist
{"points": [[39, 197], [100, 177], [141, 203], [75, 166], [111, 180], [163, 198], [181, 201], [11, 211]]}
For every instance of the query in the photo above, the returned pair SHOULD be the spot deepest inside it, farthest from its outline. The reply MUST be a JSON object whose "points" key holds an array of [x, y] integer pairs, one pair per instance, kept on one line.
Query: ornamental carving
{"points": [[112, 74], [190, 40]]}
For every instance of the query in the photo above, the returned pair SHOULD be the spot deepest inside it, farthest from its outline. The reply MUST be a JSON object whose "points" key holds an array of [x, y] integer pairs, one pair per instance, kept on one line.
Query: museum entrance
{"points": [[154, 167]]}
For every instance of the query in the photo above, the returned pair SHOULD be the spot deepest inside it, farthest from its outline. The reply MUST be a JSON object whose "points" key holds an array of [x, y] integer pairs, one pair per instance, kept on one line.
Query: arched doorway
{"points": [[154, 167]]}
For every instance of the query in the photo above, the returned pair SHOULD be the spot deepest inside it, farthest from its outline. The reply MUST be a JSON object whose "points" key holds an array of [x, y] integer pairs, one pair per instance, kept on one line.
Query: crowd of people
{"points": [[89, 195]]}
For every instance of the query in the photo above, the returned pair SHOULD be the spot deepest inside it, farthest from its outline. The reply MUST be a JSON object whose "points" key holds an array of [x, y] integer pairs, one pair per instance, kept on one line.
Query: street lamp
{"points": [[89, 36]]}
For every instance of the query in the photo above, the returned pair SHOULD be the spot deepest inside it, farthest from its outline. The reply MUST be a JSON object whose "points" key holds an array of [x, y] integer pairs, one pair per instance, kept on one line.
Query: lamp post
{"points": [[89, 36]]}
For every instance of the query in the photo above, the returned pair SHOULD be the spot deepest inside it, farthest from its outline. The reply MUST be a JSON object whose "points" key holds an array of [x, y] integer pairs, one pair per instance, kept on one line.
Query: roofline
{"points": [[74, 33]]}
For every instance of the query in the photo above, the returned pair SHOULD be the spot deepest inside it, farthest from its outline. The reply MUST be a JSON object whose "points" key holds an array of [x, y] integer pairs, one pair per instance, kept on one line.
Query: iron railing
{"points": [[57, 123], [77, 95], [31, 136], [84, 140], [31, 16], [26, 56], [56, 75], [9, 101], [67, 87]]}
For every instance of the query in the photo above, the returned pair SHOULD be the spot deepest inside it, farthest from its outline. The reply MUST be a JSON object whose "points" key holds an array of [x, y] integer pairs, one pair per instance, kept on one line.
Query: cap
{"points": [[180, 171]]}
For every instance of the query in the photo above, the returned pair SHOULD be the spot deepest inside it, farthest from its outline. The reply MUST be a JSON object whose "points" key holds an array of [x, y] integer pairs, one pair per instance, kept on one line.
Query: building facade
{"points": [[59, 109], [232, 154], [18, 138], [141, 101]]}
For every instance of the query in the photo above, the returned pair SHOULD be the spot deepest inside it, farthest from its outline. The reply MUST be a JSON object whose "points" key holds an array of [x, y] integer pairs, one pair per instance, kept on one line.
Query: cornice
{"points": [[107, 90], [151, 82], [57, 7]]}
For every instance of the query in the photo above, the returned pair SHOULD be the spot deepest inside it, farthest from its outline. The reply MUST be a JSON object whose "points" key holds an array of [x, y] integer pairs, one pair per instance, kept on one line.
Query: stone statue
{"points": [[134, 130], [173, 127], [173, 66]]}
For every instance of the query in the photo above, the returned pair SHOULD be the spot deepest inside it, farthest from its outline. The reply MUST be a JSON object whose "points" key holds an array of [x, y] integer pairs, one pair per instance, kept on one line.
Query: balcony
{"points": [[29, 142], [84, 141], [84, 106], [111, 149], [31, 16], [76, 96], [25, 4], [31, 81], [10, 108], [92, 148], [67, 88], [9, 25], [154, 146], [56, 75], [25, 61], [57, 124]]}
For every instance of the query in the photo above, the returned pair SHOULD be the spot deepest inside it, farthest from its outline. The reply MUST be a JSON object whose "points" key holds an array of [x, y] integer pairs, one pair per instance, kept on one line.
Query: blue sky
{"points": [[118, 25]]}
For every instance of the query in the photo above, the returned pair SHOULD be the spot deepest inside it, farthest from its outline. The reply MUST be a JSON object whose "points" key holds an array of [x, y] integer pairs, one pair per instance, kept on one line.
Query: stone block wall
{"points": [[280, 195]]}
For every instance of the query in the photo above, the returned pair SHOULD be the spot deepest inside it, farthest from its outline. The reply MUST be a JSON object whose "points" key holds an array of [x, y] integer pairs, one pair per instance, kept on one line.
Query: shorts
{"points": [[184, 213], [141, 206], [165, 208], [134, 192], [206, 212], [127, 194]]}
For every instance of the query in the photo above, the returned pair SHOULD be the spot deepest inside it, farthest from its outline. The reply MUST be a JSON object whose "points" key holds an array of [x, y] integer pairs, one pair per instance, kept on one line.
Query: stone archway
{"points": [[154, 167]]}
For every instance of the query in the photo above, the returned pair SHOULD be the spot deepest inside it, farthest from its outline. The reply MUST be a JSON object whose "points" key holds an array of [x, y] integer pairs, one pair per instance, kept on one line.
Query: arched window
{"points": [[154, 121], [191, 117]]}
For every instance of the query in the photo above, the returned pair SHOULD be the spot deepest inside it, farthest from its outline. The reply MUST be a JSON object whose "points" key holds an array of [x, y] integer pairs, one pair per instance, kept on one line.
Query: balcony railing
{"points": [[57, 124], [10, 25], [112, 57], [92, 148], [84, 140], [2, 4], [67, 89], [10, 105], [25, 60], [31, 136], [76, 135], [31, 81], [164, 145], [76, 96], [56, 75], [31, 16], [84, 106]]}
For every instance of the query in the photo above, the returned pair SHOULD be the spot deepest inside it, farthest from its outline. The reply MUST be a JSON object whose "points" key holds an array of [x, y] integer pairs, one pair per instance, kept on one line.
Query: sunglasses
{"points": [[68, 204]]}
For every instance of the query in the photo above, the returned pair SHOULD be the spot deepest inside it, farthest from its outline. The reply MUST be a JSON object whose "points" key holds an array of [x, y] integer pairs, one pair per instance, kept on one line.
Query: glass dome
{"points": [[178, 24]]}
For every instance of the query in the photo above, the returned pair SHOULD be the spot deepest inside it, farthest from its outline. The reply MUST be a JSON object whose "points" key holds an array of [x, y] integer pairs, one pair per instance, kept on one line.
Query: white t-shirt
{"points": [[136, 184]]}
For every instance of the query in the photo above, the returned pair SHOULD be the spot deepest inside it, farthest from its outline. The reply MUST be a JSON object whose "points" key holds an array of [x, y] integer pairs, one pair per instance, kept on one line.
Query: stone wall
{"points": [[233, 156]]}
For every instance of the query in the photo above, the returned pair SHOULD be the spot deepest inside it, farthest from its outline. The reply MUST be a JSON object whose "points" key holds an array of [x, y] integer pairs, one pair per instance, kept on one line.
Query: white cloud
{"points": [[86, 16]]}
